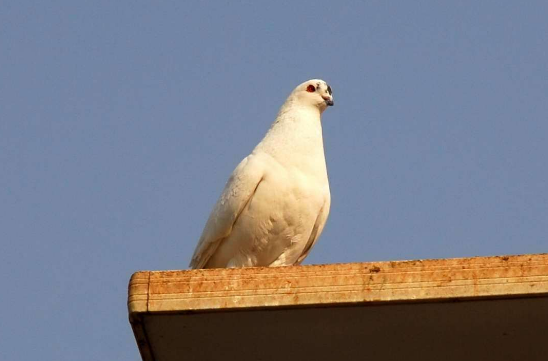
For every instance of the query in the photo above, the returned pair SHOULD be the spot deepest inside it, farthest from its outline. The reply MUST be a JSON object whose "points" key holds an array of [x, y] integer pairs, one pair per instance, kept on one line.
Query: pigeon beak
{"points": [[329, 102]]}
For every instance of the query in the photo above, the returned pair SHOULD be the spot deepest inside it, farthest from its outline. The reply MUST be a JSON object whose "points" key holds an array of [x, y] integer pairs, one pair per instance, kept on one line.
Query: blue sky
{"points": [[121, 121]]}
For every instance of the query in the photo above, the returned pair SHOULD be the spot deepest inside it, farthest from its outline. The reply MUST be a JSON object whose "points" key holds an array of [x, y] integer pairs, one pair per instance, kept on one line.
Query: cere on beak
{"points": [[329, 102]]}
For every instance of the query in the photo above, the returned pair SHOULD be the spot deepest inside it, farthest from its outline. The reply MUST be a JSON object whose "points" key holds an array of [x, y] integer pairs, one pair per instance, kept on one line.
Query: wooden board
{"points": [[161, 302]]}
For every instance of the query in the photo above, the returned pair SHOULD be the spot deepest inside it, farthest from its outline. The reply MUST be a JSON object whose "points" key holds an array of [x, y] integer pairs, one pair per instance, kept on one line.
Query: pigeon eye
{"points": [[311, 88], [329, 90]]}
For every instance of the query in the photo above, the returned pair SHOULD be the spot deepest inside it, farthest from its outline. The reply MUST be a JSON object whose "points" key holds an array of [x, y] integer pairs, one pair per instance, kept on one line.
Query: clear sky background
{"points": [[120, 122]]}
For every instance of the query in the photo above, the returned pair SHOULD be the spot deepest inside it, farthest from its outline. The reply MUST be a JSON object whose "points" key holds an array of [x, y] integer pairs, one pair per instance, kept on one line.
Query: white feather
{"points": [[276, 202]]}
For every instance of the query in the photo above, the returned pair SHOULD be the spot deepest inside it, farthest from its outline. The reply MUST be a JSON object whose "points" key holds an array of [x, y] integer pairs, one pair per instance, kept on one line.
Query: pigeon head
{"points": [[314, 92]]}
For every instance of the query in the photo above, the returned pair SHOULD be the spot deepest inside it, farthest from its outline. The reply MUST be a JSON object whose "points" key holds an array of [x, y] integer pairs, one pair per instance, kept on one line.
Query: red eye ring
{"points": [[311, 88]]}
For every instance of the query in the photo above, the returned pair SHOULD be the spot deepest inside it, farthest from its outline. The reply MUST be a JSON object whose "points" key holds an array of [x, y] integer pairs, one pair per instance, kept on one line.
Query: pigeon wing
{"points": [[239, 190], [316, 230]]}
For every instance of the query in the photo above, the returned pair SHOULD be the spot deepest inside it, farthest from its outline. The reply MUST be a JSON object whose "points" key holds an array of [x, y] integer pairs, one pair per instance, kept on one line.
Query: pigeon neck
{"points": [[296, 136], [292, 107]]}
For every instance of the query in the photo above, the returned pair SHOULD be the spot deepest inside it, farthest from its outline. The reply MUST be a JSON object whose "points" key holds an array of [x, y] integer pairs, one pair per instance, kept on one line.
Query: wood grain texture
{"points": [[337, 284]]}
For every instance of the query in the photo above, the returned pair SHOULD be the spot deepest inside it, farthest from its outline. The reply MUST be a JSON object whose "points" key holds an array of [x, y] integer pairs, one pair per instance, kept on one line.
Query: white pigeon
{"points": [[276, 202]]}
